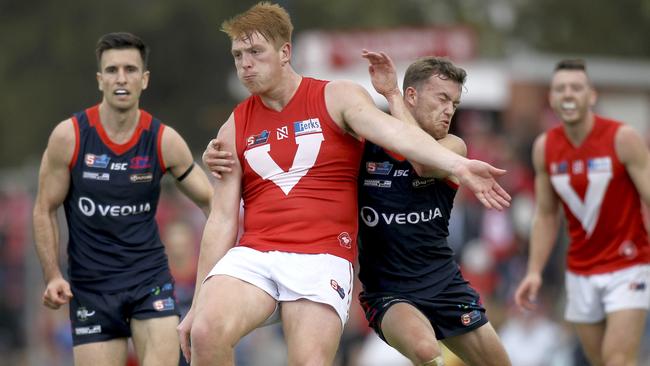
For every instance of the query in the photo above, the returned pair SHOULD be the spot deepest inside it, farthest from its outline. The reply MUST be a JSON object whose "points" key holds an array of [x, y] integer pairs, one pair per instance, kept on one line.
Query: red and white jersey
{"points": [[299, 176], [602, 205]]}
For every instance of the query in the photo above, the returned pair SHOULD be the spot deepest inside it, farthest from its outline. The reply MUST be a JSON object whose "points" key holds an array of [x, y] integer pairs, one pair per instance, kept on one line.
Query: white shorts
{"points": [[322, 278], [591, 297]]}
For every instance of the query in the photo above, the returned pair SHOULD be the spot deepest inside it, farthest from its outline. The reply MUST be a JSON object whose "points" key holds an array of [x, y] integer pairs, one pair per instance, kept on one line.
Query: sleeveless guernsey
{"points": [[299, 176], [404, 226], [601, 204], [111, 205]]}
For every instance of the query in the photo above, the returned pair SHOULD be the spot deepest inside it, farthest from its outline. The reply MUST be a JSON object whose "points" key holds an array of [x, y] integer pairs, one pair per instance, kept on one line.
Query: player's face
{"points": [[571, 95], [434, 103], [122, 77], [258, 63]]}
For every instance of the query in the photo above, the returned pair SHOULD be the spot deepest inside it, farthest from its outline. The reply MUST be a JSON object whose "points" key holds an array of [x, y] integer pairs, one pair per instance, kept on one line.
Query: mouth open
{"points": [[121, 92]]}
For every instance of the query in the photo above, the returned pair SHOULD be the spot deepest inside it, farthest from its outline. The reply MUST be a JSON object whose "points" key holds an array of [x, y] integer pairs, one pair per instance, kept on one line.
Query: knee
{"points": [[617, 359], [425, 351], [209, 336]]}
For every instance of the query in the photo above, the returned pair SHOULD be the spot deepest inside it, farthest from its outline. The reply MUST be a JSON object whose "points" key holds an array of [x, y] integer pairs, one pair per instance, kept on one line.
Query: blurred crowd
{"points": [[491, 247]]}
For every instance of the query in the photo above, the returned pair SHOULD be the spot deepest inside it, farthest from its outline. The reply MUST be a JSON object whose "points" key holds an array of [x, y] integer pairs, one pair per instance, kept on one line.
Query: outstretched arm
{"points": [[352, 108], [384, 79], [53, 184], [546, 223]]}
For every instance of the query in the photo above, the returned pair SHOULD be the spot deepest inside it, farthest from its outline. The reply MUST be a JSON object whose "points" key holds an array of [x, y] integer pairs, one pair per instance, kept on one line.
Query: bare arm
{"points": [[633, 152], [178, 158], [220, 232], [544, 229], [357, 114], [53, 185]]}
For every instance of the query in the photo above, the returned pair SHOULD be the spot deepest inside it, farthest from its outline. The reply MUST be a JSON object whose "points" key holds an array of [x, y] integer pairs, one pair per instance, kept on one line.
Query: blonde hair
{"points": [[269, 20]]}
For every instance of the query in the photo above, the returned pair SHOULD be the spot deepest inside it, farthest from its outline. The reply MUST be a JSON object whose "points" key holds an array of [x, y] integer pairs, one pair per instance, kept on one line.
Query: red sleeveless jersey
{"points": [[299, 176], [601, 204]]}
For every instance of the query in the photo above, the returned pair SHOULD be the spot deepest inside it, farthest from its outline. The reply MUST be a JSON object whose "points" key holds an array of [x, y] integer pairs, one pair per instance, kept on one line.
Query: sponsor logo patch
{"points": [[140, 162], [377, 168], [96, 161], [97, 176], [470, 318], [637, 286], [423, 182], [83, 314], [141, 177], [337, 288], [345, 240], [93, 329], [602, 164], [311, 125], [559, 168], [380, 183], [164, 304], [259, 139]]}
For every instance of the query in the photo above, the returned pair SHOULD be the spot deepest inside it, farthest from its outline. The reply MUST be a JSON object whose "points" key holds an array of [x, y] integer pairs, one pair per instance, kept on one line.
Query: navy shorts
{"points": [[98, 317], [453, 311]]}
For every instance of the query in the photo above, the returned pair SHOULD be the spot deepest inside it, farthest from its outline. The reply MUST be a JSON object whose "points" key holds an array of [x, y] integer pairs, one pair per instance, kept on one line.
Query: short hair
{"points": [[269, 20], [571, 64], [425, 67], [120, 41]]}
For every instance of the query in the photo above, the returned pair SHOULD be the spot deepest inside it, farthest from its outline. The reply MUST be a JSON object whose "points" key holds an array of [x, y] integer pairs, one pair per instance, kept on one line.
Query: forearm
{"points": [[219, 236], [398, 108], [419, 147], [46, 239], [542, 240]]}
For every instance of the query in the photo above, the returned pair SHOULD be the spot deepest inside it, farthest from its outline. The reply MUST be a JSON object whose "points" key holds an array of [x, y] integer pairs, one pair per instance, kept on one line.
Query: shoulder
{"points": [[454, 143], [628, 143], [539, 148], [63, 141]]}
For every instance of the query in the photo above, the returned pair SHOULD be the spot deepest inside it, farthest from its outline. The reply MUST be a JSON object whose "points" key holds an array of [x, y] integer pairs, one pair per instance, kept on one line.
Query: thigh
{"points": [[623, 333], [406, 329], [230, 308], [584, 300], [98, 317], [312, 331], [108, 353], [156, 341], [481, 346], [591, 337]]}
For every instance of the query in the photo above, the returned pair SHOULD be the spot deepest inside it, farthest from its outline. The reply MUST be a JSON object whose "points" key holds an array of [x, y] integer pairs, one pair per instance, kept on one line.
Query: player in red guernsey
{"points": [[296, 143], [599, 171]]}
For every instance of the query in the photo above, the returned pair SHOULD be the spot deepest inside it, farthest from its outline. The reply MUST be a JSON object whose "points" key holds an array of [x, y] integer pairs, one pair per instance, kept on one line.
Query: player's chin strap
{"points": [[438, 361], [186, 173]]}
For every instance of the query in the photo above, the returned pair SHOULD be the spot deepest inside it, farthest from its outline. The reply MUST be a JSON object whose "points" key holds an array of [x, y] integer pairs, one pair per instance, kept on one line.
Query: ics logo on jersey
{"points": [[140, 162], [383, 168], [311, 125], [96, 161], [470, 318], [345, 240], [258, 139], [337, 288]]}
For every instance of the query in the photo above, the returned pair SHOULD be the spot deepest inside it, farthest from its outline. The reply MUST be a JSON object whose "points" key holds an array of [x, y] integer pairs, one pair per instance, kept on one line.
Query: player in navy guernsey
{"points": [[413, 291], [104, 165]]}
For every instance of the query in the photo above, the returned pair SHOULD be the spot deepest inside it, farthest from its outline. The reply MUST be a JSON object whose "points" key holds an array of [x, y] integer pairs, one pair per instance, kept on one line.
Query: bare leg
{"points": [[481, 346], [109, 353], [407, 330], [156, 341]]}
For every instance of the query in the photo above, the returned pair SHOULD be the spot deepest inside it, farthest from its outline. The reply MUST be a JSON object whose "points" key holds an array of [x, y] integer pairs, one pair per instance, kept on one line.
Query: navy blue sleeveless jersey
{"points": [[111, 205], [403, 227]]}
